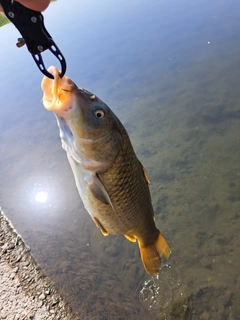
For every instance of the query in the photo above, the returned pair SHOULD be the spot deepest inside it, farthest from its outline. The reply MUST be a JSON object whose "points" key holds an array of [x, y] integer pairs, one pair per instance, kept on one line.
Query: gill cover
{"points": [[89, 130]]}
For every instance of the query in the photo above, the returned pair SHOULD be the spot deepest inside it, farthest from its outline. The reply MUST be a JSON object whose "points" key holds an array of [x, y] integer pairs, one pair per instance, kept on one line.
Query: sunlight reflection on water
{"points": [[41, 196]]}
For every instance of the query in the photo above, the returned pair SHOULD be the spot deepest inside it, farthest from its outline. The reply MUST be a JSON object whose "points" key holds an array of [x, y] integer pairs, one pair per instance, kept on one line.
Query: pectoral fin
{"points": [[98, 189]]}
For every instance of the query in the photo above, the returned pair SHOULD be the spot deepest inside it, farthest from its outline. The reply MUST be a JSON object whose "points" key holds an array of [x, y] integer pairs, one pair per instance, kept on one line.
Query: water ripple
{"points": [[165, 296]]}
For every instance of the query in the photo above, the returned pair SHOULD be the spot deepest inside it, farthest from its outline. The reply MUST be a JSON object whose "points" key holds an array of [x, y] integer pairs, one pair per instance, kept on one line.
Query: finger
{"points": [[37, 5]]}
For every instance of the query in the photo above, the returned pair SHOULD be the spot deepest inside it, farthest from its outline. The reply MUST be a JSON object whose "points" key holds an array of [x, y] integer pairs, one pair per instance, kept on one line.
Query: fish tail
{"points": [[151, 255]]}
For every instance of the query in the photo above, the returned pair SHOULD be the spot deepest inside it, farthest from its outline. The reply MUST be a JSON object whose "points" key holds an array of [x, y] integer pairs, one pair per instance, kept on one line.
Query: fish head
{"points": [[90, 132]]}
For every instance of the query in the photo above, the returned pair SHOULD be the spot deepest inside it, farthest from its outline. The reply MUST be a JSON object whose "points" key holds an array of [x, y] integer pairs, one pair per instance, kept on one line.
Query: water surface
{"points": [[170, 71]]}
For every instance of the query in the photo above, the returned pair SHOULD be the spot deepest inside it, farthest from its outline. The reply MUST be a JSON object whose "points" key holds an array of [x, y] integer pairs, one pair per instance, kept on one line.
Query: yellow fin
{"points": [[130, 238], [151, 255], [100, 226]]}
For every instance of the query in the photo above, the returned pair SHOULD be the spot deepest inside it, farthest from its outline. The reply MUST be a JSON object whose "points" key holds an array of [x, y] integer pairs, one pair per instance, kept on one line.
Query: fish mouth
{"points": [[57, 92]]}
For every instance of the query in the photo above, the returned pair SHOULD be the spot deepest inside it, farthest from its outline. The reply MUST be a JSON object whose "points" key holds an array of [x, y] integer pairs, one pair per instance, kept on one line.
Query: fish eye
{"points": [[99, 113]]}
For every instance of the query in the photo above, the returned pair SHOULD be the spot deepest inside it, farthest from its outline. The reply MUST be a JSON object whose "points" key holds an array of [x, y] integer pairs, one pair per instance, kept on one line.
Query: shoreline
{"points": [[25, 292]]}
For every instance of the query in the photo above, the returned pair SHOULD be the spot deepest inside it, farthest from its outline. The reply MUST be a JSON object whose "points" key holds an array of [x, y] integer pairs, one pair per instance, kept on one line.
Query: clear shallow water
{"points": [[170, 72]]}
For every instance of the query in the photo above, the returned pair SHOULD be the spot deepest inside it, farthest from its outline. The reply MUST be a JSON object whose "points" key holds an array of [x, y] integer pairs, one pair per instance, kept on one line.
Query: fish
{"points": [[111, 181]]}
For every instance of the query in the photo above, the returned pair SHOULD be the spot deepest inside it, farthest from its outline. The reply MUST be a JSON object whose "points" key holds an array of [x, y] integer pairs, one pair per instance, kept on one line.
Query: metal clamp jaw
{"points": [[31, 26]]}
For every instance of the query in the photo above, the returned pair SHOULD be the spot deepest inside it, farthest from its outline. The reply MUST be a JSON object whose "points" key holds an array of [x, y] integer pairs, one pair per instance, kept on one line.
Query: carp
{"points": [[111, 181]]}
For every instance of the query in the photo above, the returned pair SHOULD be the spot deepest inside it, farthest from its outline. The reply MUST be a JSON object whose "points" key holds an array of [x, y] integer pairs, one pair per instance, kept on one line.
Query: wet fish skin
{"points": [[111, 181]]}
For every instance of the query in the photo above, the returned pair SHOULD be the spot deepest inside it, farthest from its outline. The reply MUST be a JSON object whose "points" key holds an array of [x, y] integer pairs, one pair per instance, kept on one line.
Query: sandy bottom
{"points": [[25, 293]]}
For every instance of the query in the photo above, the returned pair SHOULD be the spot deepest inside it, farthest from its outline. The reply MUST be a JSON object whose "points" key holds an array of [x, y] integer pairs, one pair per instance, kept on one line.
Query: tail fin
{"points": [[151, 255]]}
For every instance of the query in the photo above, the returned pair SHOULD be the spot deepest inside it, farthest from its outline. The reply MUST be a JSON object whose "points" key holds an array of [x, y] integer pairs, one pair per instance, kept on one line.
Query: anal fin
{"points": [[130, 238], [100, 226]]}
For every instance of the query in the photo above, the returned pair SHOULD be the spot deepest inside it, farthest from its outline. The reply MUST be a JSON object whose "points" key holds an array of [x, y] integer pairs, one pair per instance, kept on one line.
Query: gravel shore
{"points": [[25, 292]]}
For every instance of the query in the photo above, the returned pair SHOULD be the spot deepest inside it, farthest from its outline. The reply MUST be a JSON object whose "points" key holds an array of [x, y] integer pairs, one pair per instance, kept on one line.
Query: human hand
{"points": [[37, 5]]}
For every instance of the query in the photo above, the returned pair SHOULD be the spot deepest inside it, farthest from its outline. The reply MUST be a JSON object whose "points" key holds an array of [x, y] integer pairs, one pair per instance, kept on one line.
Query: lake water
{"points": [[170, 70]]}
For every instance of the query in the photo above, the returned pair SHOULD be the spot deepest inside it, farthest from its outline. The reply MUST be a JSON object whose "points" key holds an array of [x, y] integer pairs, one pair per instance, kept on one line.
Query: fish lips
{"points": [[58, 92]]}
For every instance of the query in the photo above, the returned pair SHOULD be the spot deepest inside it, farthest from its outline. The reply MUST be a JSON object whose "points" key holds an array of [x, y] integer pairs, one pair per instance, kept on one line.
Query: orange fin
{"points": [[146, 175], [151, 255], [100, 226], [130, 238]]}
